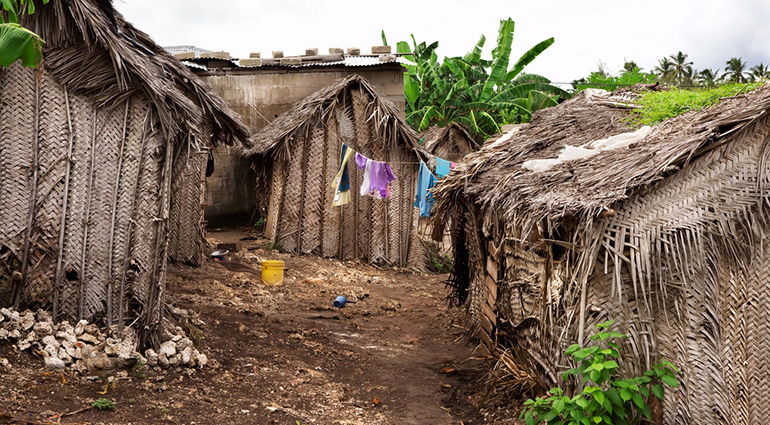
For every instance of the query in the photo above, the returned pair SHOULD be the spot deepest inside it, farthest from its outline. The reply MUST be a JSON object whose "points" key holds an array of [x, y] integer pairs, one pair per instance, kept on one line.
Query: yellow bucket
{"points": [[272, 272]]}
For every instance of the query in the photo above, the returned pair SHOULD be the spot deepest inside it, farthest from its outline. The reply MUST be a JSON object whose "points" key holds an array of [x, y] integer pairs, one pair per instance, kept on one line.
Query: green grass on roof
{"points": [[662, 105]]}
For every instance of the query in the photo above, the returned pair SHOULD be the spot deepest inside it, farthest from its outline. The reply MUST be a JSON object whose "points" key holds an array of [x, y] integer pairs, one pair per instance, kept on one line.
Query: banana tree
{"points": [[17, 42], [469, 90]]}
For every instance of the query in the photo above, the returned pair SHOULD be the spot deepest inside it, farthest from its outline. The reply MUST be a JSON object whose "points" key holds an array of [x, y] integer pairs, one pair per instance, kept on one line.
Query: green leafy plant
{"points": [[605, 399], [17, 42], [477, 93], [103, 404], [260, 222], [659, 106]]}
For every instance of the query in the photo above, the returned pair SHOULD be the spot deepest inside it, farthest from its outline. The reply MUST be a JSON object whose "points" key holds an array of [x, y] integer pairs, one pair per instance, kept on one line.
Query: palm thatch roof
{"points": [[91, 49], [274, 139], [452, 142], [495, 179]]}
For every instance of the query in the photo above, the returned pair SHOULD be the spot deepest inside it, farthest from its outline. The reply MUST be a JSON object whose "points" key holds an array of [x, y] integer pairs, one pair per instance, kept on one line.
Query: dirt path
{"points": [[285, 355]]}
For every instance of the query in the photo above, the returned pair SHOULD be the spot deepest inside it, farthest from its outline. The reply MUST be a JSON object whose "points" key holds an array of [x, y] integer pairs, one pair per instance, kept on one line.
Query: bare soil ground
{"points": [[285, 355]]}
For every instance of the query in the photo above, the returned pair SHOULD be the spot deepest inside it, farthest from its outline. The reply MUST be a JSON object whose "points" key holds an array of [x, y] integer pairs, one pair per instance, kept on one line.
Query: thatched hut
{"points": [[452, 142], [667, 236], [298, 155], [100, 168]]}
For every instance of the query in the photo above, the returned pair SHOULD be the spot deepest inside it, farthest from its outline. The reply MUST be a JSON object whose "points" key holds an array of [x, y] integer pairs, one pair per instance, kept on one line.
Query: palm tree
{"points": [[681, 69], [734, 71], [760, 73], [708, 78], [664, 70]]}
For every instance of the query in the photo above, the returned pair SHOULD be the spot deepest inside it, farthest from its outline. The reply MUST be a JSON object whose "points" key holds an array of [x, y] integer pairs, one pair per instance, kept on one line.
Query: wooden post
{"points": [[82, 276], [62, 227]]}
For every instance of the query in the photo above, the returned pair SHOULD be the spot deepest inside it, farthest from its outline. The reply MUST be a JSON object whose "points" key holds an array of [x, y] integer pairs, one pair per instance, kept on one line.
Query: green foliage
{"points": [[17, 42], [661, 105], [605, 399], [604, 81], [260, 222], [103, 404], [479, 94]]}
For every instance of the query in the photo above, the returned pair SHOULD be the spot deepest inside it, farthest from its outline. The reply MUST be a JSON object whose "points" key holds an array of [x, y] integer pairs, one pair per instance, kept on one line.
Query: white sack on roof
{"points": [[572, 153]]}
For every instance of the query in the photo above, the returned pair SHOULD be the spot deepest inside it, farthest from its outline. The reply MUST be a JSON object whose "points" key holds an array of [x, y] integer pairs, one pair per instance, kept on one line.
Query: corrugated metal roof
{"points": [[348, 60]]}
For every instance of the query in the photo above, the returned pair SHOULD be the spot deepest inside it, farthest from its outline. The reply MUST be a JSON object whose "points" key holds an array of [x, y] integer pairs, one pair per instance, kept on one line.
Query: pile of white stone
{"points": [[36, 330]]}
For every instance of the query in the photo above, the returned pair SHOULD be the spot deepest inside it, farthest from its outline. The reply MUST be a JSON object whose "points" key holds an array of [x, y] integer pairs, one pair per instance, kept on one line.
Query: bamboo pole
{"points": [[82, 293], [32, 201], [161, 244], [114, 216], [62, 227]]}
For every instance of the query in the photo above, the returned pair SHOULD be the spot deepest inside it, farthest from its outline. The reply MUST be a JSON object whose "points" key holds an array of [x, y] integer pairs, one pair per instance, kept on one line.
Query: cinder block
{"points": [[250, 62], [379, 50], [221, 55], [254, 55], [185, 55], [354, 51], [277, 53], [291, 61], [336, 51], [311, 51], [205, 56]]}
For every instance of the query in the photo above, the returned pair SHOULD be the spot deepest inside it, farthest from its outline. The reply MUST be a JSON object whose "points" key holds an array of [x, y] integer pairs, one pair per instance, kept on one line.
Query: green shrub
{"points": [[103, 404], [605, 399]]}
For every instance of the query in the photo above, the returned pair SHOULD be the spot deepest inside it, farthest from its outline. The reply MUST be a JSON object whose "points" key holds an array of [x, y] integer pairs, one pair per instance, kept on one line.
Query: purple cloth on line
{"points": [[361, 160], [380, 177]]}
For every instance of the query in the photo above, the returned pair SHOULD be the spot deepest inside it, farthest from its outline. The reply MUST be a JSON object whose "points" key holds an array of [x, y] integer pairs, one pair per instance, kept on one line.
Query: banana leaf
{"points": [[528, 57], [500, 57], [17, 42], [474, 56], [10, 6]]}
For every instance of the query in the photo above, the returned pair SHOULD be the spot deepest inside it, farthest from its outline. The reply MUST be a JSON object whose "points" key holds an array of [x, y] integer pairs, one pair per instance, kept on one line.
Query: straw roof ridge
{"points": [[85, 52], [494, 178], [315, 107]]}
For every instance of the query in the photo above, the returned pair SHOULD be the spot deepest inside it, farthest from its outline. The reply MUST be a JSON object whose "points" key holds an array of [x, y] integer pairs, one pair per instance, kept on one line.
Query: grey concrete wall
{"points": [[259, 95]]}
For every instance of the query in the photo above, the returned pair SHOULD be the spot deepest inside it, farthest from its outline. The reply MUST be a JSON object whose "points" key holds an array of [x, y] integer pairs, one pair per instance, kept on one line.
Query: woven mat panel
{"points": [[396, 227], [375, 150], [17, 119], [52, 138], [82, 116], [289, 222], [314, 184], [477, 292], [109, 136], [758, 340], [186, 236], [520, 292], [409, 216], [365, 144], [6, 258], [735, 333], [127, 192], [676, 228], [277, 181], [147, 204], [331, 214], [348, 212]]}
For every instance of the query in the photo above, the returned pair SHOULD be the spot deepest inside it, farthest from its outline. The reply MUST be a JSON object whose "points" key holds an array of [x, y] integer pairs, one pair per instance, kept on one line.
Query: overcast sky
{"points": [[586, 32]]}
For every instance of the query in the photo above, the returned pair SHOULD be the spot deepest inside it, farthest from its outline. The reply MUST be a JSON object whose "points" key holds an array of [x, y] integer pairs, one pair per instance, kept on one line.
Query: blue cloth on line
{"points": [[442, 167], [424, 199]]}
